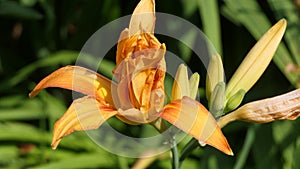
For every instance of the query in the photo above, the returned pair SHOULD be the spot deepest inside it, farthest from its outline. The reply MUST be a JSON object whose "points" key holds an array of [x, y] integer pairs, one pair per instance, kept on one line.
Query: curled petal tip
{"points": [[191, 117], [55, 143], [78, 79], [84, 114], [31, 95]]}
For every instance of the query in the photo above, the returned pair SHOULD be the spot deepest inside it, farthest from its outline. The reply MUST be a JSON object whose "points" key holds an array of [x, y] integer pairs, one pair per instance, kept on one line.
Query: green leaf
{"points": [[288, 153], [287, 9], [8, 153], [264, 151], [22, 132], [282, 130], [106, 68], [28, 110], [209, 13], [189, 7], [249, 14], [296, 154], [15, 10], [28, 3], [11, 100], [56, 59], [83, 160], [243, 155], [189, 37]]}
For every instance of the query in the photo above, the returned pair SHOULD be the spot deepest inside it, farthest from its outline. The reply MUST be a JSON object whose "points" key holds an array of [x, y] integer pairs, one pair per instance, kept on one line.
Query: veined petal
{"points": [[143, 18], [139, 76], [84, 114], [78, 79], [256, 60], [191, 117]]}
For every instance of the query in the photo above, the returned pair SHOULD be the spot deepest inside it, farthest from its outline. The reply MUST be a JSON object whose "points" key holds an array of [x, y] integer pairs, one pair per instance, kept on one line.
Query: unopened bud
{"points": [[181, 85], [194, 83], [256, 60], [215, 74], [218, 100], [235, 100]]}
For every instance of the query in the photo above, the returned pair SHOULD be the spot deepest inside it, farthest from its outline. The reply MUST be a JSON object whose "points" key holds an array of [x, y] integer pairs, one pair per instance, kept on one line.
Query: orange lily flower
{"points": [[138, 97]]}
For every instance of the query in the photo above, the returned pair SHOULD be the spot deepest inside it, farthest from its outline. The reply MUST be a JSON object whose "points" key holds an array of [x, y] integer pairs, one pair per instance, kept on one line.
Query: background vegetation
{"points": [[39, 36]]}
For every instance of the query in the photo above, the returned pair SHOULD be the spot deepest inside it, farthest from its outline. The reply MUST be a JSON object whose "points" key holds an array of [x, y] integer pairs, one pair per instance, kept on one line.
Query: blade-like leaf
{"points": [[15, 10], [209, 13]]}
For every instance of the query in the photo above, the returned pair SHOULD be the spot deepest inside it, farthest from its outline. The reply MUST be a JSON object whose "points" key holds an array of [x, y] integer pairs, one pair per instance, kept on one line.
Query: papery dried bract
{"points": [[282, 107]]}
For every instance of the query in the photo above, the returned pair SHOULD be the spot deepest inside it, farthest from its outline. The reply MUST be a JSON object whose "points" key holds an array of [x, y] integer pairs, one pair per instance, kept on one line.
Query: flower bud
{"points": [[215, 74], [140, 72], [217, 100], [256, 60], [235, 100]]}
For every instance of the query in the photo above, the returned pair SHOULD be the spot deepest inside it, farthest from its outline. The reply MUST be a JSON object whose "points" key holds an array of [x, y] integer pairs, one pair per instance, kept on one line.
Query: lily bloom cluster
{"points": [[138, 96]]}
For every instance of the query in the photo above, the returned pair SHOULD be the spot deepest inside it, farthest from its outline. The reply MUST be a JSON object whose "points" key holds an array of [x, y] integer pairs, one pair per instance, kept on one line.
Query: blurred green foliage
{"points": [[39, 36]]}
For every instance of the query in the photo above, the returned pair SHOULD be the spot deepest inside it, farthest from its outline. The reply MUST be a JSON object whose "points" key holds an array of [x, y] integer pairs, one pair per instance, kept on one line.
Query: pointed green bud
{"points": [[235, 100], [215, 74], [256, 60], [194, 83], [218, 100]]}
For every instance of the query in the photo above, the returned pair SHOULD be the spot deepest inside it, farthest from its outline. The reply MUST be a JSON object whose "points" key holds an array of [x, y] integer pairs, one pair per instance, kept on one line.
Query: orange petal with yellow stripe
{"points": [[78, 79], [85, 113], [193, 118]]}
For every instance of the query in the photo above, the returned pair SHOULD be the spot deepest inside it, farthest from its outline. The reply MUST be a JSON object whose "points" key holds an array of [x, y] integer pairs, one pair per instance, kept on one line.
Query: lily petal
{"points": [[84, 114], [78, 79], [256, 60], [193, 118], [143, 18]]}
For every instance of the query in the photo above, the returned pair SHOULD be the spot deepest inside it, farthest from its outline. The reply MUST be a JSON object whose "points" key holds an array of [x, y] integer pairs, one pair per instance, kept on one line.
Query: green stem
{"points": [[175, 157], [242, 157], [187, 150]]}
